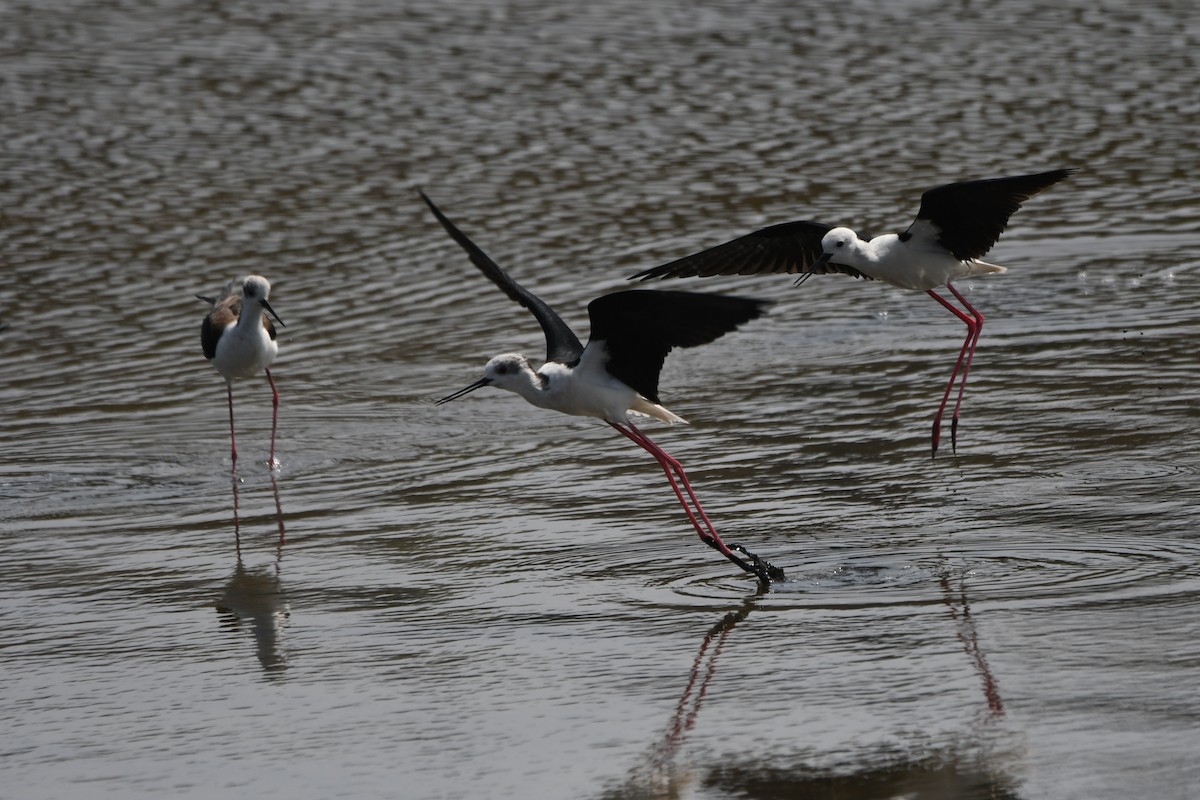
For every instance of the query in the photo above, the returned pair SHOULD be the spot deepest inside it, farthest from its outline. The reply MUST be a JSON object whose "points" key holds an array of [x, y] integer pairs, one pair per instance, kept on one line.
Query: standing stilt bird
{"points": [[955, 227], [617, 372], [240, 341]]}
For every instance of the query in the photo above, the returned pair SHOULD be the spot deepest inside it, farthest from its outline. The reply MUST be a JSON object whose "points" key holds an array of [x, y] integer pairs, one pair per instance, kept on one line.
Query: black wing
{"points": [[561, 343], [639, 328], [226, 309], [790, 247], [971, 215], [210, 334]]}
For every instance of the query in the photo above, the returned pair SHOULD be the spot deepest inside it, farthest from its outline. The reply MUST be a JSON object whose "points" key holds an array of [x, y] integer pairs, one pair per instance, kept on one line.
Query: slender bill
{"points": [[821, 261], [267, 306], [479, 384]]}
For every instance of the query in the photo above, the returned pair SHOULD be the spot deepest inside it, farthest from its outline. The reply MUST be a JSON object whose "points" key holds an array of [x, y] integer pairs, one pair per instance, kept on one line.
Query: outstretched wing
{"points": [[561, 343], [789, 247], [971, 215], [639, 327]]}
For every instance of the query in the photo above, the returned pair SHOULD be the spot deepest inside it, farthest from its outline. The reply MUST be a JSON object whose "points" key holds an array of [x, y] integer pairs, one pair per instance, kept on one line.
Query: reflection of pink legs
{"points": [[278, 510], [684, 718], [969, 638], [673, 469], [237, 524], [973, 319]]}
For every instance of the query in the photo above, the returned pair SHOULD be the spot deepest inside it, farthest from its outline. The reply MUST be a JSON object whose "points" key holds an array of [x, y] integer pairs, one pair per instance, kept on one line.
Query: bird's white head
{"points": [[506, 371], [838, 240], [255, 289], [510, 371], [839, 245]]}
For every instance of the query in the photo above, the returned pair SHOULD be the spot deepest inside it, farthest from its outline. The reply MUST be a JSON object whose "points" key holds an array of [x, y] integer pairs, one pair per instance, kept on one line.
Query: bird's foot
{"points": [[954, 435], [765, 570], [937, 435]]}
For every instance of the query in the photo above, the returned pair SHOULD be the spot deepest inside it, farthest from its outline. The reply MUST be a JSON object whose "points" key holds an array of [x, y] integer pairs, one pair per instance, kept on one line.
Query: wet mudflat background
{"points": [[487, 600]]}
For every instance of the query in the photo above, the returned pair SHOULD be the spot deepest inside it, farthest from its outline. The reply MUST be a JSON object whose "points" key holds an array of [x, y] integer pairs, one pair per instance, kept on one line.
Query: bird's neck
{"points": [[250, 317], [864, 252], [870, 256], [533, 386]]}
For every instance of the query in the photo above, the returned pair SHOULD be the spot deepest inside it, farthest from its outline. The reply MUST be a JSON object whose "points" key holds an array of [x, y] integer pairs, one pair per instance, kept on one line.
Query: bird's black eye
{"points": [[502, 369], [839, 244]]}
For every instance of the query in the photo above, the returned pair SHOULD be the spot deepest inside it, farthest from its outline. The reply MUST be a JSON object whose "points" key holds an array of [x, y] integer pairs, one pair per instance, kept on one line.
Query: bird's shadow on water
{"points": [[963, 771], [255, 600]]}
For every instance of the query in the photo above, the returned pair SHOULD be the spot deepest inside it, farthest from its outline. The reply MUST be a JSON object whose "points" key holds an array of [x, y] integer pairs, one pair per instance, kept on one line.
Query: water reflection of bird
{"points": [[948, 775], [965, 770], [955, 227], [659, 776], [617, 372], [256, 597], [968, 637], [237, 522], [240, 341]]}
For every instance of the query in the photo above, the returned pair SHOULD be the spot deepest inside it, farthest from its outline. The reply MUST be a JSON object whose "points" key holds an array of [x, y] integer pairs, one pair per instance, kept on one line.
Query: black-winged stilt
{"points": [[617, 372], [956, 225], [240, 341]]}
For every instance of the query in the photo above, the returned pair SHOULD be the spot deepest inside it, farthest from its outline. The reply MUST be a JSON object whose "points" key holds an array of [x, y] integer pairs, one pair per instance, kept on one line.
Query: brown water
{"points": [[488, 600]]}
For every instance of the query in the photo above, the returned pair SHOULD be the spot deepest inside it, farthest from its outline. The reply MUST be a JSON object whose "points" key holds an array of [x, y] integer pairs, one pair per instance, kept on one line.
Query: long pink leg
{"points": [[232, 437], [274, 415], [672, 468], [669, 464], [962, 385], [972, 335]]}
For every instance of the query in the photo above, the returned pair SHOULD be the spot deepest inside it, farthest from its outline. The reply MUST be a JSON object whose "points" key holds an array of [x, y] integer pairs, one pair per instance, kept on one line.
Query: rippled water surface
{"points": [[488, 600]]}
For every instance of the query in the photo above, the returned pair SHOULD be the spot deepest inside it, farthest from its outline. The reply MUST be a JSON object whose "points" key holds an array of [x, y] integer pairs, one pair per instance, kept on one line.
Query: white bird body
{"points": [[240, 341], [616, 373], [246, 348], [956, 226], [914, 262], [584, 390]]}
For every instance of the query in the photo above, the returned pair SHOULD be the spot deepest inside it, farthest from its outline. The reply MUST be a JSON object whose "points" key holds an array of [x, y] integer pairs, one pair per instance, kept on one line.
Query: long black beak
{"points": [[821, 261], [479, 384], [267, 306]]}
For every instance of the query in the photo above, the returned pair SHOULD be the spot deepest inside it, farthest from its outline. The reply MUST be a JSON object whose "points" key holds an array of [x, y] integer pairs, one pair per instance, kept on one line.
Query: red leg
{"points": [[962, 385], [274, 415], [668, 460], [972, 335], [232, 437], [673, 468], [665, 461]]}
